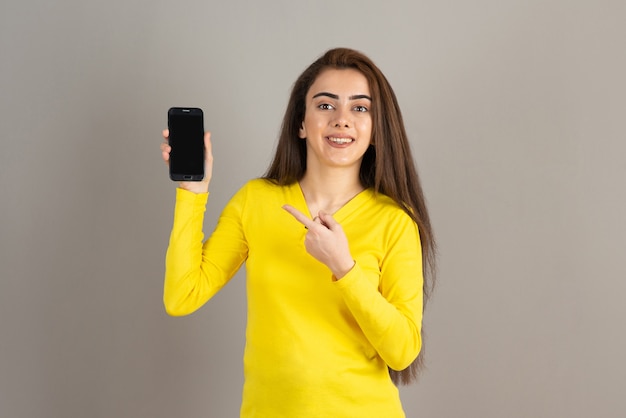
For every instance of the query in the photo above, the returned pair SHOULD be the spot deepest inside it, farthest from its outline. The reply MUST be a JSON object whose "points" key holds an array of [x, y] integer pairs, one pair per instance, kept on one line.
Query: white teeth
{"points": [[340, 140]]}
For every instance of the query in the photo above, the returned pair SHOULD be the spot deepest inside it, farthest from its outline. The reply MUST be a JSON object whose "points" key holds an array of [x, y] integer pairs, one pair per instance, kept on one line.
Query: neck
{"points": [[330, 189]]}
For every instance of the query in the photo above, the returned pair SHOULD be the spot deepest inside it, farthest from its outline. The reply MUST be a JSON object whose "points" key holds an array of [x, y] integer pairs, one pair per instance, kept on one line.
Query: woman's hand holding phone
{"points": [[193, 186]]}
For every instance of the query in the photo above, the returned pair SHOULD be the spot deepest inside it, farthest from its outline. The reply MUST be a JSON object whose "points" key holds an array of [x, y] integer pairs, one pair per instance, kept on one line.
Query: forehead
{"points": [[342, 82]]}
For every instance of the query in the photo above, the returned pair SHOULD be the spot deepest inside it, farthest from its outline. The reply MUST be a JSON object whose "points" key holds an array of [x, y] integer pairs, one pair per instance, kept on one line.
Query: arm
{"points": [[194, 271], [390, 314]]}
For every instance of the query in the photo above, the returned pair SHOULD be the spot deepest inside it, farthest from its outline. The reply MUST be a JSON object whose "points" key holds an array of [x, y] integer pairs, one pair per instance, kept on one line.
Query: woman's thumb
{"points": [[328, 221]]}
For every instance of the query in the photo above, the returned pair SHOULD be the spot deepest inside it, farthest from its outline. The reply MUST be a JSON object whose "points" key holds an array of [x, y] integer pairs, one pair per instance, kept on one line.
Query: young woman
{"points": [[338, 248]]}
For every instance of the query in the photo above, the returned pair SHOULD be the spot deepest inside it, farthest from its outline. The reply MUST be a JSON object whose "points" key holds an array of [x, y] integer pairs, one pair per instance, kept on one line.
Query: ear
{"points": [[302, 131]]}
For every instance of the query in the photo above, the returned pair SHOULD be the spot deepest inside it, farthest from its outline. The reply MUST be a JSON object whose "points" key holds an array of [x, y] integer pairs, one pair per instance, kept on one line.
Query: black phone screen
{"points": [[187, 141]]}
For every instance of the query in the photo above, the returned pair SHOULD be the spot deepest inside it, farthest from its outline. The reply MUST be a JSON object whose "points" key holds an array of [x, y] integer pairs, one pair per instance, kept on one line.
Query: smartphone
{"points": [[186, 125]]}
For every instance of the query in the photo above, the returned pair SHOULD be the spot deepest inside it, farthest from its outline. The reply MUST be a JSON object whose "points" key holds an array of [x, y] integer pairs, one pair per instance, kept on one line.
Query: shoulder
{"points": [[384, 205], [259, 191], [260, 186], [392, 219]]}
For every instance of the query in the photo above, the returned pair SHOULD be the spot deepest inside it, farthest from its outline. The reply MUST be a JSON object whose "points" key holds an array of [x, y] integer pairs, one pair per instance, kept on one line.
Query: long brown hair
{"points": [[387, 165]]}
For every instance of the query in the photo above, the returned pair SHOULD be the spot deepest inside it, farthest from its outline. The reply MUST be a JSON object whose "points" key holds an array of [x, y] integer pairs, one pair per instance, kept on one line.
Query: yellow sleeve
{"points": [[195, 271], [390, 316]]}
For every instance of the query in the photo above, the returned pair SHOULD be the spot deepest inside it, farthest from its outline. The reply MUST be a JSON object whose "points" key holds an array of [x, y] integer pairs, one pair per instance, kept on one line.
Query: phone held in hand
{"points": [[186, 126]]}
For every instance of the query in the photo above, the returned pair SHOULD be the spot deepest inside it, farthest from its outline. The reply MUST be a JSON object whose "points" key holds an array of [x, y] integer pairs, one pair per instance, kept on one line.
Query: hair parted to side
{"points": [[387, 166]]}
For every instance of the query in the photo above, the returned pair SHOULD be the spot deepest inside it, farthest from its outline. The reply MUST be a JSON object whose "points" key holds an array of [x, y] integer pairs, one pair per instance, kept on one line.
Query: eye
{"points": [[325, 106], [361, 108]]}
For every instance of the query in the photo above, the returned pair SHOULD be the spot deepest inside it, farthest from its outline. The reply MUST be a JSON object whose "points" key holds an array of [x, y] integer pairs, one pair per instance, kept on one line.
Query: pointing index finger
{"points": [[300, 217]]}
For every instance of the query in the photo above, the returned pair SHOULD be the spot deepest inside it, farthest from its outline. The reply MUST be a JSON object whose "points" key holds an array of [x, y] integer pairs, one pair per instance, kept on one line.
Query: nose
{"points": [[341, 119]]}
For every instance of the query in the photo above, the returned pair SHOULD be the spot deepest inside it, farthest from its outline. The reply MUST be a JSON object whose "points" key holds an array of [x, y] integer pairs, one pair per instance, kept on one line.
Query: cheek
{"points": [[365, 126]]}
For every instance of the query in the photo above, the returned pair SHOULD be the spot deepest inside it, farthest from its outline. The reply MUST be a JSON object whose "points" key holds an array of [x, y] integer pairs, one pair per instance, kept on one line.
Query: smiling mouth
{"points": [[340, 141]]}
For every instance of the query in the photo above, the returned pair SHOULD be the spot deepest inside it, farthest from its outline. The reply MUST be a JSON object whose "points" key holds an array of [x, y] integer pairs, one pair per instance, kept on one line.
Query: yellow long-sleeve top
{"points": [[315, 347]]}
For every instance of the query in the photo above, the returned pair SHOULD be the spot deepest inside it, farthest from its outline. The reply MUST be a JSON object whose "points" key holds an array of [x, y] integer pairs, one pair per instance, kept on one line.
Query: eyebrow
{"points": [[336, 97]]}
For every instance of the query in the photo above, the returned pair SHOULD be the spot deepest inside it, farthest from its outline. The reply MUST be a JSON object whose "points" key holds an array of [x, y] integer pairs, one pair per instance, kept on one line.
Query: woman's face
{"points": [[337, 123]]}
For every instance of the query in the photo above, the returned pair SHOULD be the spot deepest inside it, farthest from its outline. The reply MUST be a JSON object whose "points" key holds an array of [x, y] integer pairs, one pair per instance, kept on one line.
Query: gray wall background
{"points": [[516, 114]]}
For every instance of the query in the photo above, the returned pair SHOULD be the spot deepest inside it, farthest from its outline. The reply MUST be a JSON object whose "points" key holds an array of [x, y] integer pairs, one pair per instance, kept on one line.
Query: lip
{"points": [[349, 140]]}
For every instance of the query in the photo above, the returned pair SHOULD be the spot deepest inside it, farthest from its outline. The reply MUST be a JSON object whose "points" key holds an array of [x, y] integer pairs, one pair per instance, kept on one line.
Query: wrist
{"points": [[344, 269], [194, 187]]}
